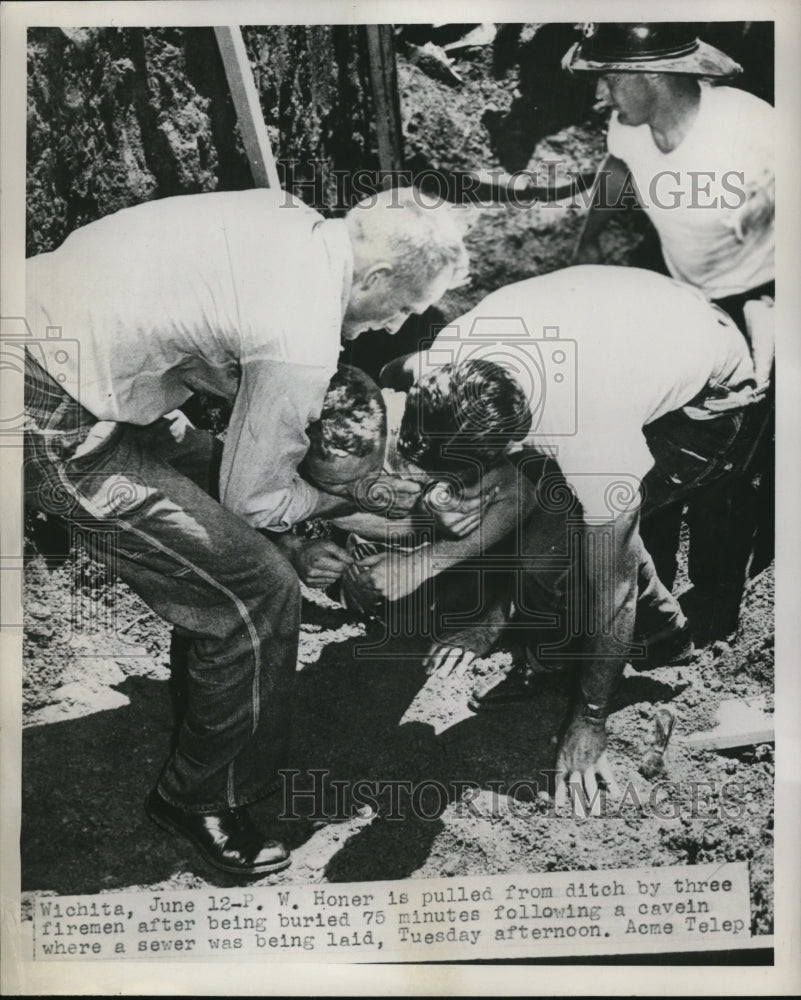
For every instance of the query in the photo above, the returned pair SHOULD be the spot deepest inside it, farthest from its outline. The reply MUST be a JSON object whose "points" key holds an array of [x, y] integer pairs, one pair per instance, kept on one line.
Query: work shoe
{"points": [[227, 839], [672, 647]]}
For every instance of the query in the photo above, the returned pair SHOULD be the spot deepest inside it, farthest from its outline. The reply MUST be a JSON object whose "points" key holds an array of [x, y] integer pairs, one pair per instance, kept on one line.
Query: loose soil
{"points": [[98, 720]]}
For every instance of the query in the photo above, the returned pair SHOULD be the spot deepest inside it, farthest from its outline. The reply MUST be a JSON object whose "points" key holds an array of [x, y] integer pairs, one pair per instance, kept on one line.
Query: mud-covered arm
{"points": [[610, 558], [607, 188], [610, 562]]}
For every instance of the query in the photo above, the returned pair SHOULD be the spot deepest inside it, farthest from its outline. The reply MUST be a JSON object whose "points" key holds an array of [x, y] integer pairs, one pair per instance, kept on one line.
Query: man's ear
{"points": [[381, 271]]}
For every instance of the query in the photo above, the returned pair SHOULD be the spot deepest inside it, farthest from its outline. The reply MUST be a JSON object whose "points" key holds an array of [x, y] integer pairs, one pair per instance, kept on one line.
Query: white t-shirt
{"points": [[600, 352], [240, 294], [700, 194]]}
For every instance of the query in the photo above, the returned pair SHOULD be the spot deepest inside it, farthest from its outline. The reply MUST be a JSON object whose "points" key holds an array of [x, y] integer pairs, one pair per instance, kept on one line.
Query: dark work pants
{"points": [[731, 522], [711, 467], [763, 466], [229, 592]]}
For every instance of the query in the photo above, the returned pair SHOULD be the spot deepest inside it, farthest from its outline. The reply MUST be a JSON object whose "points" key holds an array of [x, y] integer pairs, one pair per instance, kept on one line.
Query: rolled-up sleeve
{"points": [[267, 441]]}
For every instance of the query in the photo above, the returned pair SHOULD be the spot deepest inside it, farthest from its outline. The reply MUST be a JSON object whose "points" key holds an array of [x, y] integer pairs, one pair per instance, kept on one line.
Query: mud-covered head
{"points": [[347, 443], [461, 418], [408, 250]]}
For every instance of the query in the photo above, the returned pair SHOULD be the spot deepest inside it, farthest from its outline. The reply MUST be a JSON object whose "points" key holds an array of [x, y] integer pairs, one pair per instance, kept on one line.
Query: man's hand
{"points": [[319, 562], [444, 660], [389, 575], [732, 400], [460, 515], [179, 423], [389, 496], [581, 760]]}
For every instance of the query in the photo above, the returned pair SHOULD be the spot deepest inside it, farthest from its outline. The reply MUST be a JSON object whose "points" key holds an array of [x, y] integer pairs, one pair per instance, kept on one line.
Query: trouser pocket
{"points": [[688, 454]]}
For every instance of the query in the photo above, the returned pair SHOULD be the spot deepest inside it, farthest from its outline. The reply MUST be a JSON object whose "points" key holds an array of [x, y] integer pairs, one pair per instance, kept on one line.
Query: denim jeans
{"points": [[228, 591]]}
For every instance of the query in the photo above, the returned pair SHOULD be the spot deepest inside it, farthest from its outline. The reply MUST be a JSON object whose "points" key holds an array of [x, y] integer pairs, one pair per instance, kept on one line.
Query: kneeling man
{"points": [[576, 401]]}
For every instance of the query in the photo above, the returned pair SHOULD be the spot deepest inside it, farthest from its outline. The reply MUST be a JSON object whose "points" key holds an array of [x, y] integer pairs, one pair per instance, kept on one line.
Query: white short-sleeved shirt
{"points": [[698, 194], [240, 294], [600, 353]]}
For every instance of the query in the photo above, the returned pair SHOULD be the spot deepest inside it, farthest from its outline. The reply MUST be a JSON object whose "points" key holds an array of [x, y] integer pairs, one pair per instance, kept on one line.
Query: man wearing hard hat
{"points": [[697, 156]]}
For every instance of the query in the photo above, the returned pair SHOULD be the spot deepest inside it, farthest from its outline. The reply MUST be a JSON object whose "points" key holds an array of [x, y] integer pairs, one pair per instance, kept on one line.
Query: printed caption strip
{"points": [[699, 907]]}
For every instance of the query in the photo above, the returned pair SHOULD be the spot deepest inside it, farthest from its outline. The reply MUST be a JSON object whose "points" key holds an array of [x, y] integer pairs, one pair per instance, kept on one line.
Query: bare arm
{"points": [[515, 498], [378, 528], [606, 191], [611, 561]]}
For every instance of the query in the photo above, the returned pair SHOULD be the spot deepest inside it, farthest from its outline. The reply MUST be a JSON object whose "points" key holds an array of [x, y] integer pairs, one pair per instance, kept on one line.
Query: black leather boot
{"points": [[227, 839]]}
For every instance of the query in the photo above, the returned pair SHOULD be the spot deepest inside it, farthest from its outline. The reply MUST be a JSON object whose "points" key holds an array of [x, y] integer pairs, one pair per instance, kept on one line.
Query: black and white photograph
{"points": [[393, 569]]}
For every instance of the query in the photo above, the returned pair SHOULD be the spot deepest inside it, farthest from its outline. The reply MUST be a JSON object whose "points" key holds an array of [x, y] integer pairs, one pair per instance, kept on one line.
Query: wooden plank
{"points": [[248, 109], [714, 740], [384, 80], [740, 723]]}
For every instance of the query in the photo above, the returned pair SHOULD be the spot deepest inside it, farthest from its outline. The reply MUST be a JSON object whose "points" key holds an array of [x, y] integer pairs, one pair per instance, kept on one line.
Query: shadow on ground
{"points": [[84, 829]]}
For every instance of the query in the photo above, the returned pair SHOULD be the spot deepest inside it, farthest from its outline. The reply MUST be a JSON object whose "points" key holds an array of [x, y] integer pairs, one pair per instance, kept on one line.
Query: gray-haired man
{"points": [[244, 295]]}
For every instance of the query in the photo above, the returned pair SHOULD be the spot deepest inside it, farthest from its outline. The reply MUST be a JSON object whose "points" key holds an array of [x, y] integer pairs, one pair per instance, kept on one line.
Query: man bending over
{"points": [[623, 385]]}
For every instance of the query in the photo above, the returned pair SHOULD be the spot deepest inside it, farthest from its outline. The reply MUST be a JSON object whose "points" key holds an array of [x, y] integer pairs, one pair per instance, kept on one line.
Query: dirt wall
{"points": [[117, 116]]}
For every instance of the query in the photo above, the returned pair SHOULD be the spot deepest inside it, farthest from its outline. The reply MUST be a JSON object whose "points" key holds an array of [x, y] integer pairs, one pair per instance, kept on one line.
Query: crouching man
{"points": [[244, 295], [624, 391]]}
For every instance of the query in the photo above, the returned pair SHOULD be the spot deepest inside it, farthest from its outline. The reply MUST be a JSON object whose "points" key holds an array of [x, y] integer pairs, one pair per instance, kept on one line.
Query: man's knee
{"points": [[264, 582], [273, 574]]}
